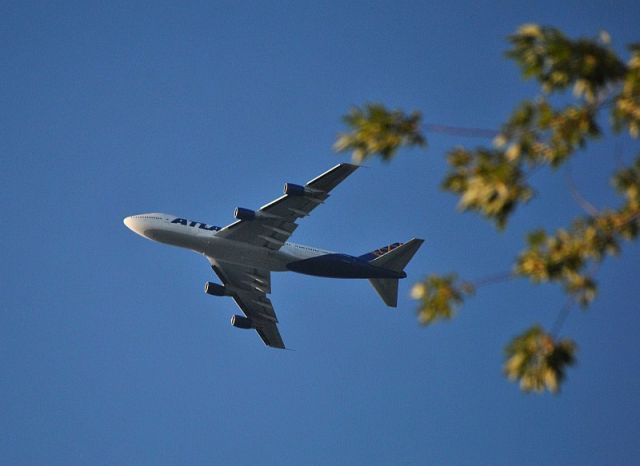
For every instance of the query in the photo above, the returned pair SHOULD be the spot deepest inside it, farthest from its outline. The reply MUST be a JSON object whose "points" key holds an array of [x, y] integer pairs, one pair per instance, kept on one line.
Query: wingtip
{"points": [[279, 347]]}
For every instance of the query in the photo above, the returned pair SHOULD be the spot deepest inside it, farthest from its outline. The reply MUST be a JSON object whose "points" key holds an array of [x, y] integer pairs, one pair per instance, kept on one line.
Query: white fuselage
{"points": [[203, 238]]}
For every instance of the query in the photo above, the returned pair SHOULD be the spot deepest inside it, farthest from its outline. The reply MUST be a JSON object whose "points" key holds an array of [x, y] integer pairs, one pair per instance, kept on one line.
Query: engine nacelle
{"points": [[294, 189], [244, 214], [215, 290], [241, 322]]}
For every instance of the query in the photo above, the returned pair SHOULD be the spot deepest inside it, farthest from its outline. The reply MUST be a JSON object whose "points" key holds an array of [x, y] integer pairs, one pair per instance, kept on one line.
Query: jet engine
{"points": [[294, 189], [215, 290], [241, 322], [244, 214]]}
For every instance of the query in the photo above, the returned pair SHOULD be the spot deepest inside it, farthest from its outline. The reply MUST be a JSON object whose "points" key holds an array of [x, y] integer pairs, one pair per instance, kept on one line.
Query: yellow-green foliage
{"points": [[538, 361], [493, 181], [376, 130], [439, 296]]}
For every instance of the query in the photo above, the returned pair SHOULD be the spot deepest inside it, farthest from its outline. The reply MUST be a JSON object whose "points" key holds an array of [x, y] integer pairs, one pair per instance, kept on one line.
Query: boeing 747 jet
{"points": [[244, 253]]}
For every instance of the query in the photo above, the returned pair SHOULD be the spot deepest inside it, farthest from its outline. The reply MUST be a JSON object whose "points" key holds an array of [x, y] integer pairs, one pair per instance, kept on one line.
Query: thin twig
{"points": [[595, 266], [587, 206], [500, 277], [569, 304], [562, 316], [460, 131]]}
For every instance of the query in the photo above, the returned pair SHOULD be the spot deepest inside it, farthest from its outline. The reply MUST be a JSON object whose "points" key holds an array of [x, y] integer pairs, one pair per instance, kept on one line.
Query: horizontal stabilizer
{"points": [[379, 252], [396, 259]]}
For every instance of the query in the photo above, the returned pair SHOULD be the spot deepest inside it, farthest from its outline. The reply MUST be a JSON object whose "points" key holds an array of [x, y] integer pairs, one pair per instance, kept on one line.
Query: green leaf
{"points": [[487, 182], [626, 108], [378, 131], [557, 62], [439, 297], [538, 361]]}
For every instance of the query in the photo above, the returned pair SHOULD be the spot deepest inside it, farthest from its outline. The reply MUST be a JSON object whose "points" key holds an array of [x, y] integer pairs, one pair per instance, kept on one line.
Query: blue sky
{"points": [[110, 353]]}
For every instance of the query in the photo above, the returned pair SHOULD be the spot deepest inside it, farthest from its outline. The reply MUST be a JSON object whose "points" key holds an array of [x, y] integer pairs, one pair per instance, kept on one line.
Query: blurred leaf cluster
{"points": [[557, 62], [439, 296], [564, 256], [626, 111], [538, 134], [486, 182], [627, 183], [546, 131], [538, 361], [376, 130]]}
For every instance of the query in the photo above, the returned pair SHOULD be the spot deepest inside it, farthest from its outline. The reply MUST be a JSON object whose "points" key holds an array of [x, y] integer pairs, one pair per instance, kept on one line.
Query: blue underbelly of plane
{"points": [[341, 266]]}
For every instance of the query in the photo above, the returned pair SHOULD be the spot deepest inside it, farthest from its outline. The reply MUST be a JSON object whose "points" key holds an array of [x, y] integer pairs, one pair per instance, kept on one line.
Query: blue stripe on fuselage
{"points": [[341, 266]]}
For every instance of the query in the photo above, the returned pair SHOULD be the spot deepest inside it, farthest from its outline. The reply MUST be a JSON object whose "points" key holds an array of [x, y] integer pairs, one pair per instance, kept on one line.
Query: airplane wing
{"points": [[249, 287], [274, 223]]}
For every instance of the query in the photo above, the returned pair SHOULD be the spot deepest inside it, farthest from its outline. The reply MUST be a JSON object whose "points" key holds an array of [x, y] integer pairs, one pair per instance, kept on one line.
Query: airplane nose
{"points": [[133, 224]]}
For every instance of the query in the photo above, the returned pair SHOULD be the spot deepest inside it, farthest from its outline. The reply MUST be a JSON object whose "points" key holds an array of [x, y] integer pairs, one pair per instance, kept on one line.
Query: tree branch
{"points": [[500, 277], [460, 131], [587, 206]]}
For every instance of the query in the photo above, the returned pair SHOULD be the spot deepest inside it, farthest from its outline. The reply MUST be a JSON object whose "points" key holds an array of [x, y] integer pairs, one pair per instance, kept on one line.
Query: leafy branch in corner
{"points": [[494, 181]]}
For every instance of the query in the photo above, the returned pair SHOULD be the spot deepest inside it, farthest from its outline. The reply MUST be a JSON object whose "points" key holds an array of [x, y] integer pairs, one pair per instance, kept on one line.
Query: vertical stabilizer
{"points": [[387, 288]]}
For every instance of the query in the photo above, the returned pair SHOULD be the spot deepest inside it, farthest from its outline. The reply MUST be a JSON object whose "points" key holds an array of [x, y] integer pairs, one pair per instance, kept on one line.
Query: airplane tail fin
{"points": [[396, 259], [387, 289], [379, 252]]}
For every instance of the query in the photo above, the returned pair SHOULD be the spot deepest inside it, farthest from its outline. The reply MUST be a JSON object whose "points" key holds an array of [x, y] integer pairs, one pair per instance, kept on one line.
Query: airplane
{"points": [[244, 253]]}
